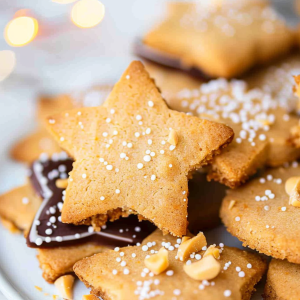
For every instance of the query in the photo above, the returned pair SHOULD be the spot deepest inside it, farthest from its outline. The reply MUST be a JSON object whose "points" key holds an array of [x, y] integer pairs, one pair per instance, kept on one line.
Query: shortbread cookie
{"points": [[19, 206], [261, 126], [259, 214], [61, 245], [222, 41], [122, 274], [170, 81], [282, 281], [133, 155], [47, 230], [30, 148], [58, 261], [295, 131]]}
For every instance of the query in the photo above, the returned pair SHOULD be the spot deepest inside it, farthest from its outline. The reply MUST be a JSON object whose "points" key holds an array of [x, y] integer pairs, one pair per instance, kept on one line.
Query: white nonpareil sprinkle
{"points": [[283, 208], [140, 166], [48, 231], [237, 219], [238, 269], [150, 103], [38, 241], [109, 167], [102, 198], [117, 191], [115, 272], [138, 117], [148, 131], [126, 271], [147, 158], [145, 248], [249, 266], [227, 293], [25, 200], [153, 177], [241, 274], [170, 273], [177, 292], [83, 176]]}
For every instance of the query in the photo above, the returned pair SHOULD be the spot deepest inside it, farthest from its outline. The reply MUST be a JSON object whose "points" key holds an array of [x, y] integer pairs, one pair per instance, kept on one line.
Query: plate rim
{"points": [[7, 289]]}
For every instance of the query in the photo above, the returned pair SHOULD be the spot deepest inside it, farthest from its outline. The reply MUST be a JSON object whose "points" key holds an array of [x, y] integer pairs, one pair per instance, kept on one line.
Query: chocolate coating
{"points": [[48, 231], [144, 51]]}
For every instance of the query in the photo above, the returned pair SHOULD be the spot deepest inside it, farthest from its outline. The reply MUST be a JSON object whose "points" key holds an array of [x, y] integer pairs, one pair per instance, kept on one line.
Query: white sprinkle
{"points": [[138, 117], [48, 231], [148, 131], [115, 132], [52, 219], [249, 266], [283, 208], [59, 239], [123, 263], [153, 177], [227, 293], [129, 145], [108, 120], [162, 151], [133, 255], [140, 166], [147, 158], [126, 271], [102, 198], [137, 229], [83, 175], [172, 147], [241, 274], [137, 134], [149, 142], [25, 200], [38, 241], [237, 219], [267, 208], [112, 111], [150, 103], [117, 191], [198, 256], [170, 165], [238, 269], [109, 167], [90, 229], [105, 134], [177, 292], [115, 272], [117, 249], [170, 273], [62, 139], [145, 248], [262, 137]]}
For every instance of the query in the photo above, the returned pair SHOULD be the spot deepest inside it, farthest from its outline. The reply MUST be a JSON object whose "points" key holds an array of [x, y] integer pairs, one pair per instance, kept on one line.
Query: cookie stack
{"points": [[124, 204]]}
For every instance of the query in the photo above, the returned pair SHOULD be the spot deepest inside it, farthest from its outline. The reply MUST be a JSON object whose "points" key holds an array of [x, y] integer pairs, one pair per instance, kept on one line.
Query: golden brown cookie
{"points": [[259, 214], [122, 274], [133, 155], [30, 148], [282, 281], [59, 261], [19, 206], [221, 41], [261, 125]]}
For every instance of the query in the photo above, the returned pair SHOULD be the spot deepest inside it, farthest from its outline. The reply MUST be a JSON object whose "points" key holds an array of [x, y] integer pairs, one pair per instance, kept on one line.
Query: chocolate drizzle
{"points": [[48, 231], [156, 56]]}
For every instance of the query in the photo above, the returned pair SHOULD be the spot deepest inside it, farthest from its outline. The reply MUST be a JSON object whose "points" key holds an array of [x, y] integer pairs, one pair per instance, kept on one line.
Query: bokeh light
{"points": [[63, 1], [87, 13], [7, 63], [21, 31]]}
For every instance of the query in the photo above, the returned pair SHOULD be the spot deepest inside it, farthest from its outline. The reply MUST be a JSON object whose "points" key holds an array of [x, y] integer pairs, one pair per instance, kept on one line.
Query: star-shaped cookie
{"points": [[221, 41], [261, 125], [133, 155], [259, 214], [122, 274]]}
